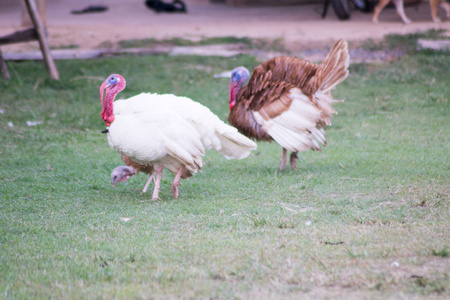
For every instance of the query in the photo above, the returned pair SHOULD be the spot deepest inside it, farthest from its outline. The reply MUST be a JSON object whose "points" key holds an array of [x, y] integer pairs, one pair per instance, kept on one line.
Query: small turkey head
{"points": [[121, 174], [238, 77], [114, 84]]}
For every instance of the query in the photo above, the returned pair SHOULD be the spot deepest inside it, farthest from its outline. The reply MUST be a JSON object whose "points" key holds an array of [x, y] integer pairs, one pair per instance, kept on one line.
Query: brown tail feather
{"points": [[332, 71], [334, 68]]}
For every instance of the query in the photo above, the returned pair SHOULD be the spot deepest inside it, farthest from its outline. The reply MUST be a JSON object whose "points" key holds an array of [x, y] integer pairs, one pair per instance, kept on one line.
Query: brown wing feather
{"points": [[273, 109], [274, 77], [267, 92]]}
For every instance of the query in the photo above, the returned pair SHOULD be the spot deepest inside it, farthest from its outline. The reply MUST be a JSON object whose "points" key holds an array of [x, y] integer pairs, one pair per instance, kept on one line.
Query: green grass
{"points": [[368, 217], [266, 44], [65, 47], [407, 42], [185, 42]]}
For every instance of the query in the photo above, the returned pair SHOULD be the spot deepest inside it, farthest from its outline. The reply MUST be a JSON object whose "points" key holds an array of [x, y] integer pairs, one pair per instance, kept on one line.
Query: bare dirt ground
{"points": [[296, 25]]}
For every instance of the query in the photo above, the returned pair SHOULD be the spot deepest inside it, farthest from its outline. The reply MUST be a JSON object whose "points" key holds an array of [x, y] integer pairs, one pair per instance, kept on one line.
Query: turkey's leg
{"points": [[293, 160], [159, 172], [150, 178], [176, 182], [283, 160]]}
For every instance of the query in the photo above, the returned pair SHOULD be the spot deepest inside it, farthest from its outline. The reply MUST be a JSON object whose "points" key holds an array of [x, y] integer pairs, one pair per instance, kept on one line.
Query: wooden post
{"points": [[42, 8], [3, 66], [42, 38], [26, 35]]}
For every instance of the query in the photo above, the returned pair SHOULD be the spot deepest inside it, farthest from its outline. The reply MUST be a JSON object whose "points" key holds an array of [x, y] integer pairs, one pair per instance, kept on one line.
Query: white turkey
{"points": [[153, 131]]}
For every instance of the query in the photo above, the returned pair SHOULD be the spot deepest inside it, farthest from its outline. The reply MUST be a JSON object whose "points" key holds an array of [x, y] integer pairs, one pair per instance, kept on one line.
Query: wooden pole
{"points": [[26, 35], [42, 8], [42, 38], [3, 66]]}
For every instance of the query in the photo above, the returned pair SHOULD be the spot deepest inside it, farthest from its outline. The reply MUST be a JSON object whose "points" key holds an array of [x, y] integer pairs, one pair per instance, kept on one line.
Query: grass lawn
{"points": [[368, 217]]}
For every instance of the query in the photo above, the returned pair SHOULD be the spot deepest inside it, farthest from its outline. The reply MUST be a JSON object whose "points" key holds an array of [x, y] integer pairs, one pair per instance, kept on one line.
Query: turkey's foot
{"points": [[293, 160], [159, 172], [283, 160], [150, 178], [176, 182]]}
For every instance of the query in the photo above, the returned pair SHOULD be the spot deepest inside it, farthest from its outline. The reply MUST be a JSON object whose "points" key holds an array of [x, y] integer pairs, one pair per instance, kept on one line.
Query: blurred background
{"points": [[296, 22]]}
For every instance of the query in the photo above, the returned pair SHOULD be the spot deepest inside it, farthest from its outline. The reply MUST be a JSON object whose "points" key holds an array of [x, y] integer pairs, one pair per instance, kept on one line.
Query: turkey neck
{"points": [[108, 106], [242, 118]]}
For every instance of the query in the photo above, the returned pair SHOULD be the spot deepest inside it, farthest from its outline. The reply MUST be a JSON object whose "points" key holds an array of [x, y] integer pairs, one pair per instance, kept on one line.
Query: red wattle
{"points": [[108, 107], [233, 90], [102, 89]]}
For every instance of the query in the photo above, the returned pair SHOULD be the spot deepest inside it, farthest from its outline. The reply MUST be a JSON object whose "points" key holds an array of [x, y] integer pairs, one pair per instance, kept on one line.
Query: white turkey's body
{"points": [[172, 131]]}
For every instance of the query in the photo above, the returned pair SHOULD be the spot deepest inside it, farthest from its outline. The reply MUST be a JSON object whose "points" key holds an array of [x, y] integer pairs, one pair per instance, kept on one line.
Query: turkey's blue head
{"points": [[114, 84], [238, 77]]}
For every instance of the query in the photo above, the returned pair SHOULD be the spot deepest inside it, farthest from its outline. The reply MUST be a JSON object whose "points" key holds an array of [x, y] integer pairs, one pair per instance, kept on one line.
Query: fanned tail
{"points": [[332, 71], [232, 144], [334, 68]]}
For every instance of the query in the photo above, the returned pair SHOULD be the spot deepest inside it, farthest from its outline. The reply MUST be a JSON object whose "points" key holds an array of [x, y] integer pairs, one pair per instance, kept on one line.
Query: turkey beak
{"points": [[102, 89]]}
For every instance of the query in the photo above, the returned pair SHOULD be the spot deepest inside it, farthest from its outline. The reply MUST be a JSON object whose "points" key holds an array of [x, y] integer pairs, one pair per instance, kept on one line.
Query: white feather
{"points": [[295, 129]]}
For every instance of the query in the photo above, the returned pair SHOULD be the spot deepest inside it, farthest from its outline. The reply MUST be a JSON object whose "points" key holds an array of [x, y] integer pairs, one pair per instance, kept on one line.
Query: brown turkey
{"points": [[288, 100]]}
